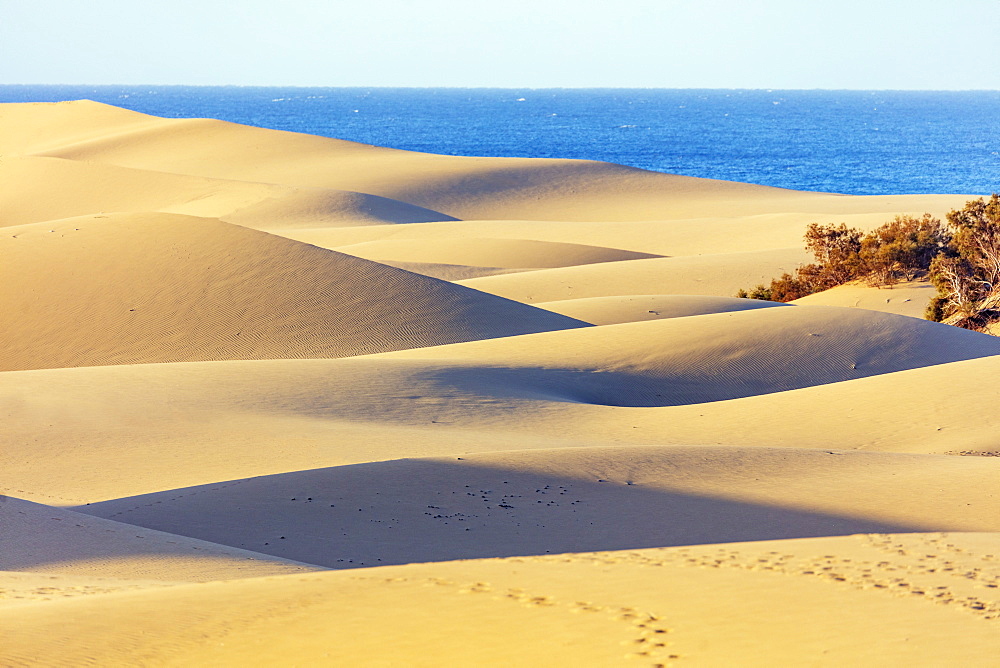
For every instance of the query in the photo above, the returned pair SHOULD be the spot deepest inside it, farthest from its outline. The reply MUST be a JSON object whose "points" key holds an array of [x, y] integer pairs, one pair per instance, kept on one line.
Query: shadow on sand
{"points": [[408, 511]]}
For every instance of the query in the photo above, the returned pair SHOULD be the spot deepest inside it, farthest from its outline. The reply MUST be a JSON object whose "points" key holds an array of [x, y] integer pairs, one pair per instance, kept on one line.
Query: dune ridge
{"points": [[87, 188], [45, 539], [174, 288], [274, 399]]}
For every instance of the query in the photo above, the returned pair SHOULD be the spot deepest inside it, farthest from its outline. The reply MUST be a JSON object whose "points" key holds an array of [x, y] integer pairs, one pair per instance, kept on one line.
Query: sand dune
{"points": [[716, 275], [838, 601], [467, 188], [321, 207], [285, 417], [909, 298], [572, 388], [522, 503], [229, 364], [164, 288], [699, 256], [450, 272], [729, 232], [619, 309], [501, 253], [86, 188], [44, 539], [31, 128], [708, 358], [92, 188], [464, 187]]}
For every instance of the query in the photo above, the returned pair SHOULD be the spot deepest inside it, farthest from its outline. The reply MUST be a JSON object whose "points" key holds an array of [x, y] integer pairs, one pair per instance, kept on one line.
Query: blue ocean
{"points": [[854, 142]]}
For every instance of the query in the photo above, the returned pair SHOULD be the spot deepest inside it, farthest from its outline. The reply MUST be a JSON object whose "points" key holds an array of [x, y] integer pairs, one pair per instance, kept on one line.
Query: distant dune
{"points": [[275, 399], [617, 309], [485, 252]]}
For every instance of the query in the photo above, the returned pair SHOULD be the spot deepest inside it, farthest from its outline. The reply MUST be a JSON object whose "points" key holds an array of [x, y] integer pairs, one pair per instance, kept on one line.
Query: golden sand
{"points": [[274, 399]]}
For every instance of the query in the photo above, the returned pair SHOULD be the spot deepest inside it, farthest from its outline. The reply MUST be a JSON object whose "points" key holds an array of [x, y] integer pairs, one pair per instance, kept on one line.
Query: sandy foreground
{"points": [[275, 399]]}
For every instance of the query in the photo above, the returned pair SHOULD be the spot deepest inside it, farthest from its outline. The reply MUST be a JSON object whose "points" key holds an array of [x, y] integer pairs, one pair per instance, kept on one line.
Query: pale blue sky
{"points": [[873, 44]]}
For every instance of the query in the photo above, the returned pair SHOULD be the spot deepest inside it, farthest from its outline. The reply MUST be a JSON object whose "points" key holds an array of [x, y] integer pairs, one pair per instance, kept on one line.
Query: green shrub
{"points": [[902, 249]]}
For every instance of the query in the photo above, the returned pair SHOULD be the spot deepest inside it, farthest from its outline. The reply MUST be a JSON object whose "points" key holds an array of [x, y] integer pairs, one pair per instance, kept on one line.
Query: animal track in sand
{"points": [[12, 593], [648, 639], [472, 504], [34, 494], [918, 568], [191, 492], [919, 573]]}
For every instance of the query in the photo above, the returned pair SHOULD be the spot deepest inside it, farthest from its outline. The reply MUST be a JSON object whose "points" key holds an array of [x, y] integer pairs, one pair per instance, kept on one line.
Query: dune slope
{"points": [[838, 601], [635, 308], [706, 358], [485, 252], [88, 188], [710, 275], [45, 539], [594, 386], [126, 289], [536, 502]]}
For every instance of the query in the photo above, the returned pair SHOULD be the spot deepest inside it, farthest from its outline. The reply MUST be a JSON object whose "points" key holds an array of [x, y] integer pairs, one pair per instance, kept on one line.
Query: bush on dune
{"points": [[899, 250], [961, 259], [902, 249], [967, 273]]}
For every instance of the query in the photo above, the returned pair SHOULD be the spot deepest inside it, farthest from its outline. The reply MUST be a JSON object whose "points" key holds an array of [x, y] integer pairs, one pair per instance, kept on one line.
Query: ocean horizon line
{"points": [[767, 89]]}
